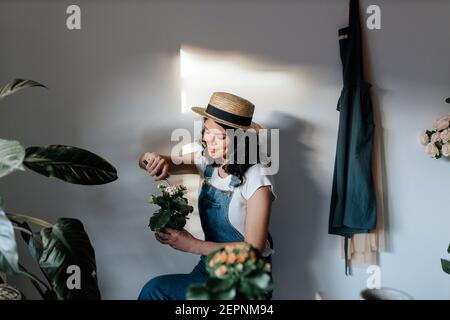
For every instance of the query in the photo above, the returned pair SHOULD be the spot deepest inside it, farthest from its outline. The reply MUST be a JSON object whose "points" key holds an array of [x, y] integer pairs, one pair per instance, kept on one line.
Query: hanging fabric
{"points": [[353, 206], [364, 248]]}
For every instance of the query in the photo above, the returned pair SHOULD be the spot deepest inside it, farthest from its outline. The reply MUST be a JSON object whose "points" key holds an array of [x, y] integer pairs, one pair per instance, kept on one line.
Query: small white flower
{"points": [[170, 191], [174, 190]]}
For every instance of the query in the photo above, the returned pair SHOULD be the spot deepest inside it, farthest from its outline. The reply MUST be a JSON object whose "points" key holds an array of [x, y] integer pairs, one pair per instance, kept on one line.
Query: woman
{"points": [[235, 199]]}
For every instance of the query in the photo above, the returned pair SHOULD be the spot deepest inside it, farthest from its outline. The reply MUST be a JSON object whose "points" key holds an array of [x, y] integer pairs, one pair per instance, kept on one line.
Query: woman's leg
{"points": [[172, 286]]}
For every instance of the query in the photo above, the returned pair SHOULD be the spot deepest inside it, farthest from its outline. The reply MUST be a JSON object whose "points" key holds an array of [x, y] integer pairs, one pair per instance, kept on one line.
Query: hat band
{"points": [[227, 116]]}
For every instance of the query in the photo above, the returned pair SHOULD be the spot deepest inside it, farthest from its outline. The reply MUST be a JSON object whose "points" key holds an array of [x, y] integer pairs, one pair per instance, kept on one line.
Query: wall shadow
{"points": [[295, 220]]}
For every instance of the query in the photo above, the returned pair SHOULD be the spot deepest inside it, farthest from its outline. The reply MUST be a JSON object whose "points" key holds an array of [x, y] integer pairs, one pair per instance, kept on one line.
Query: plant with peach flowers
{"points": [[237, 271], [437, 140]]}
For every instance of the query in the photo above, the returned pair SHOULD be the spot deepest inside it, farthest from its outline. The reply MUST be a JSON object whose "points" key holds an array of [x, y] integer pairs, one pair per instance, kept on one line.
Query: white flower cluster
{"points": [[173, 190], [437, 141]]}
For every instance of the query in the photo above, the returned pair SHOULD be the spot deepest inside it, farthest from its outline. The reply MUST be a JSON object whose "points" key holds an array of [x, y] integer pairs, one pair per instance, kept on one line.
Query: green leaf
{"points": [[159, 220], [448, 249], [70, 164], [48, 294], [180, 202], [186, 210], [177, 222], [249, 291], [19, 218], [33, 241], [245, 289], [217, 285], [9, 257], [197, 292], [205, 292], [228, 294], [445, 265], [16, 85], [64, 245], [162, 202], [12, 154], [261, 281]]}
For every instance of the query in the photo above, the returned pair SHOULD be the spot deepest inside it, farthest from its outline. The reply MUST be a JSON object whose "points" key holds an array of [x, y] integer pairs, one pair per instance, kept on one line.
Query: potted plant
{"points": [[236, 272], [56, 247]]}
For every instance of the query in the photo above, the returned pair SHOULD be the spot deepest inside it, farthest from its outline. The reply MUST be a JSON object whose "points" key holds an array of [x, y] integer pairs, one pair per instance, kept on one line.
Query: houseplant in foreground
{"points": [[237, 271], [55, 247]]}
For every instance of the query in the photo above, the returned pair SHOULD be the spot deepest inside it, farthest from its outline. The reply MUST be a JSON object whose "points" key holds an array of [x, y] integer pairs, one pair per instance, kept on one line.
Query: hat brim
{"points": [[202, 111]]}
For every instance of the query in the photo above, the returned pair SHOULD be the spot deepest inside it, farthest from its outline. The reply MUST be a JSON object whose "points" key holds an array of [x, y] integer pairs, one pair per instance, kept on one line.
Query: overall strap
{"points": [[208, 171], [235, 181]]}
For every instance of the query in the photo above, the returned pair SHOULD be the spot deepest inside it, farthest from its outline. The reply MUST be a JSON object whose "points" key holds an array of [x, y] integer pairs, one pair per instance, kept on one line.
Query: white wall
{"points": [[115, 90]]}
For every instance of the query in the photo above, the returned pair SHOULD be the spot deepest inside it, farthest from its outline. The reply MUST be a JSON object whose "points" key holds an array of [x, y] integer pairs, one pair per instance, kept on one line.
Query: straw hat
{"points": [[230, 110]]}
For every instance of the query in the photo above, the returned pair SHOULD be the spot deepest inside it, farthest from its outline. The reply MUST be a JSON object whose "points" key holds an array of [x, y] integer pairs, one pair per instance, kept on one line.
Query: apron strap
{"points": [[235, 181], [347, 269]]}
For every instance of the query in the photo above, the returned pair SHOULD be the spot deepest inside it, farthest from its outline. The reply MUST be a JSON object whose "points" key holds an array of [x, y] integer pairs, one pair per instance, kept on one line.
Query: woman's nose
{"points": [[209, 139]]}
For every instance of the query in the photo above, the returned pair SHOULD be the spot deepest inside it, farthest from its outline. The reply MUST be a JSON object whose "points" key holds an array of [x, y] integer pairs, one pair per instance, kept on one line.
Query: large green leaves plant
{"points": [[69, 164], [12, 154], [65, 244], [9, 258], [16, 85]]}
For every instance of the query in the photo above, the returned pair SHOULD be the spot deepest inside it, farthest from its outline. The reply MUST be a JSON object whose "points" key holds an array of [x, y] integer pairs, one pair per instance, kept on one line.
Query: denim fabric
{"points": [[213, 206], [173, 286]]}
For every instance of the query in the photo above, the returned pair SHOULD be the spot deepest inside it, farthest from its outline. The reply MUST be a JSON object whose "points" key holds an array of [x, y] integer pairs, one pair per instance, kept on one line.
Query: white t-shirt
{"points": [[237, 211]]}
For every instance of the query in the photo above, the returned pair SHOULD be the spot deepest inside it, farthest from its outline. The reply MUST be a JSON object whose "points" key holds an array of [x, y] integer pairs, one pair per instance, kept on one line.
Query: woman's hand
{"points": [[178, 239], [157, 165]]}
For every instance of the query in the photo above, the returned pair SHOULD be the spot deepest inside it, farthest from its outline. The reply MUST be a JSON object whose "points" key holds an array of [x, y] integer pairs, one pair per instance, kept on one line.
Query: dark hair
{"points": [[234, 168]]}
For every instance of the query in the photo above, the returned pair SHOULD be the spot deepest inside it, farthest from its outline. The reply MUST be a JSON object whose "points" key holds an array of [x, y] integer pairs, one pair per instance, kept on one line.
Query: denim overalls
{"points": [[213, 206]]}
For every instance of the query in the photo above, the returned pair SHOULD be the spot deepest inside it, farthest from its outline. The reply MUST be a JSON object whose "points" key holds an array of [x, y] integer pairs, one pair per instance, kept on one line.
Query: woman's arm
{"points": [[256, 223], [259, 207], [256, 228], [161, 166]]}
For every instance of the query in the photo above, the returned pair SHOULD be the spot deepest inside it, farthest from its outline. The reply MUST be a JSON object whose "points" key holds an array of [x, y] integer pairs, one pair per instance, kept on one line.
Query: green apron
{"points": [[353, 202]]}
